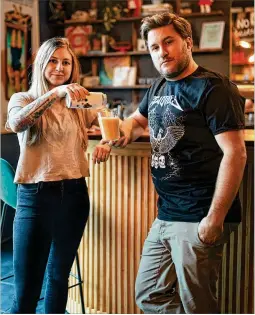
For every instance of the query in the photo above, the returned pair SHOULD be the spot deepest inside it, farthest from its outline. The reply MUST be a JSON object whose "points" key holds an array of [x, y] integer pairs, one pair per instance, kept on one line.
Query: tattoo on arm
{"points": [[28, 115]]}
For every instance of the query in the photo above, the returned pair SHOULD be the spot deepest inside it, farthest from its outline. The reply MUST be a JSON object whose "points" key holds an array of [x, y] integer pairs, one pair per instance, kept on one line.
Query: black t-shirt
{"points": [[184, 116]]}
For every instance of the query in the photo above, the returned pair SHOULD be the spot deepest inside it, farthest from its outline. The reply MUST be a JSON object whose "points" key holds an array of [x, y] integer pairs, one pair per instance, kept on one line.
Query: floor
{"points": [[6, 286]]}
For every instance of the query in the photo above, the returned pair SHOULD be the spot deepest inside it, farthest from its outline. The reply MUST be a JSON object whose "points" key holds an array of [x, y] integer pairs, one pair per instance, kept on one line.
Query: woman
{"points": [[53, 202]]}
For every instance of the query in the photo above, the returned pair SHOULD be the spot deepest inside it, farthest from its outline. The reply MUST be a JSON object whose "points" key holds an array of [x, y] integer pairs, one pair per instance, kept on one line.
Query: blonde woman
{"points": [[53, 201]]}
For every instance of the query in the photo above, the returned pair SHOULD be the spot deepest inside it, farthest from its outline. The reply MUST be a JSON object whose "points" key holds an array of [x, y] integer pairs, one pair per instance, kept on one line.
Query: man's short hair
{"points": [[181, 25]]}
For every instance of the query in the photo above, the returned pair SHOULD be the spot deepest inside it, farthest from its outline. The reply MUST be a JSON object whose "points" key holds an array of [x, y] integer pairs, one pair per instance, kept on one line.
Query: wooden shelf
{"points": [[95, 56], [196, 50], [199, 14], [247, 89], [138, 18], [124, 19], [110, 87], [74, 22], [115, 54], [242, 64], [142, 53]]}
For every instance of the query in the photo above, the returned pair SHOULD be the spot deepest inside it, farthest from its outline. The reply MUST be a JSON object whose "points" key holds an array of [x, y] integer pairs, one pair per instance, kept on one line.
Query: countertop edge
{"points": [[249, 136]]}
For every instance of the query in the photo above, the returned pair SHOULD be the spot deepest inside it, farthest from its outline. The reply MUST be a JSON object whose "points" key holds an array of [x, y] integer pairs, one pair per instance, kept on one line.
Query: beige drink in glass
{"points": [[109, 125]]}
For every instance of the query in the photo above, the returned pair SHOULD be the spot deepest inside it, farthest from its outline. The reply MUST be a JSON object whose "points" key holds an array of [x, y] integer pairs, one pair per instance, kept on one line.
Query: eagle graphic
{"points": [[165, 132]]}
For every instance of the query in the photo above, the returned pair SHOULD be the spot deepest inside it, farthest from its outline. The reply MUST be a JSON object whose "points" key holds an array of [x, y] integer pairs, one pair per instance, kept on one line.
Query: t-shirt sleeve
{"points": [[223, 107], [143, 107]]}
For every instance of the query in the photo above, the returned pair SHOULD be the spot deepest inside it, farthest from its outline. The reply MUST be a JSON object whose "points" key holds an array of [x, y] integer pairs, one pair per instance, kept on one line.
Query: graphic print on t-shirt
{"points": [[166, 129]]}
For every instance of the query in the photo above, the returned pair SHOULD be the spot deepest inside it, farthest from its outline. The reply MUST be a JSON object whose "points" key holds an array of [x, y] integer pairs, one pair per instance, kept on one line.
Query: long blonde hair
{"points": [[40, 86]]}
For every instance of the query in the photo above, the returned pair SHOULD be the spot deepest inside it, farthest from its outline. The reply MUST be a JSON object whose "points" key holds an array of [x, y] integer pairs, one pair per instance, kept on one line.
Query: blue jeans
{"points": [[48, 226]]}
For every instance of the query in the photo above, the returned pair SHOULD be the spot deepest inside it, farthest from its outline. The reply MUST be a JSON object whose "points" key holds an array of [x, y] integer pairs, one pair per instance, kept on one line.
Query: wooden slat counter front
{"points": [[123, 206]]}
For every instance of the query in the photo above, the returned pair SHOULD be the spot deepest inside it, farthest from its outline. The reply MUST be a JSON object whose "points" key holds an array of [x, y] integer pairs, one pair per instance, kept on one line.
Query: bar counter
{"points": [[123, 207], [246, 90]]}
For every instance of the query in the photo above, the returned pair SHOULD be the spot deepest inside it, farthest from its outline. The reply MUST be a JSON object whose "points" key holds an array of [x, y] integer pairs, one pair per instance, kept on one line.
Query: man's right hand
{"points": [[130, 129], [122, 142], [209, 230]]}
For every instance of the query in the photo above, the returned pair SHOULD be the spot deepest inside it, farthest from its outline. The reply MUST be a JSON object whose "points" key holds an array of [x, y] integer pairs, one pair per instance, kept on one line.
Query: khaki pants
{"points": [[177, 272]]}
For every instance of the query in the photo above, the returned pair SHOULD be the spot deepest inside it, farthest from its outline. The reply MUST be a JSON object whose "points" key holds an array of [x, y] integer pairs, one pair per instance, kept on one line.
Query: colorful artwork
{"points": [[18, 51], [107, 66]]}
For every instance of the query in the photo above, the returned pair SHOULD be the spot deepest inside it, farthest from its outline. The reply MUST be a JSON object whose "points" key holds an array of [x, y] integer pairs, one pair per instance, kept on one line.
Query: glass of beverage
{"points": [[109, 125]]}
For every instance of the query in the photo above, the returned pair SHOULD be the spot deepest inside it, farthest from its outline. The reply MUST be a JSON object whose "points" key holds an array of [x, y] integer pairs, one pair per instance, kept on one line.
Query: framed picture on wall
{"points": [[18, 51], [124, 76], [212, 35], [20, 40]]}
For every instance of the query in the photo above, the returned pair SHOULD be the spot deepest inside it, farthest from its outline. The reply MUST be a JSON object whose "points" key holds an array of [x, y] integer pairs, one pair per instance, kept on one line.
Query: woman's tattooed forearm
{"points": [[27, 116]]}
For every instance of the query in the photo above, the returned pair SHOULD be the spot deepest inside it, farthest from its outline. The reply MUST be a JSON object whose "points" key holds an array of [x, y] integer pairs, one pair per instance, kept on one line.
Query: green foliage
{"points": [[111, 14]]}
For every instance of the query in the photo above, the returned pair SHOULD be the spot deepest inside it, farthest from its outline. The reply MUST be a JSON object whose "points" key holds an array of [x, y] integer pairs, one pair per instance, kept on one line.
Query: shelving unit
{"points": [[139, 18], [127, 29], [137, 91]]}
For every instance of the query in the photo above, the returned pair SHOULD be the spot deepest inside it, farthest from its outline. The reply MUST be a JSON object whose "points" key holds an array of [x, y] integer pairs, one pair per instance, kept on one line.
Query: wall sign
{"points": [[243, 24], [212, 35]]}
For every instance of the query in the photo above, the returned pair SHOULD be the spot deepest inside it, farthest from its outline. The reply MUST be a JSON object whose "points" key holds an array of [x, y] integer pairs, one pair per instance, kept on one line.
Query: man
{"points": [[195, 118]]}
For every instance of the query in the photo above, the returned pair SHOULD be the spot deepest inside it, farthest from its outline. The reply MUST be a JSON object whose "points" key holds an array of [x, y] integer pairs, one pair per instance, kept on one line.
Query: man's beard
{"points": [[181, 66]]}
